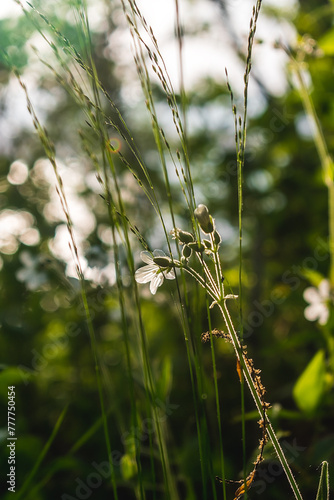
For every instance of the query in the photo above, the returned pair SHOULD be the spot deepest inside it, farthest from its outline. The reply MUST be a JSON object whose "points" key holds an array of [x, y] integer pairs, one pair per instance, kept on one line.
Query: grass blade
{"points": [[42, 455], [323, 488]]}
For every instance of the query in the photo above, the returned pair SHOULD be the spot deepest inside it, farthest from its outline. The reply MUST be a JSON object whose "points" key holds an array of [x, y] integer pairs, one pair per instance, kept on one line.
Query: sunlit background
{"points": [[213, 32]]}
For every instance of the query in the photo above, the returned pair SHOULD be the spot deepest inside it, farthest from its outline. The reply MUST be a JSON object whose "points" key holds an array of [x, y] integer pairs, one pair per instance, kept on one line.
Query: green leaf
{"points": [[323, 488], [310, 386]]}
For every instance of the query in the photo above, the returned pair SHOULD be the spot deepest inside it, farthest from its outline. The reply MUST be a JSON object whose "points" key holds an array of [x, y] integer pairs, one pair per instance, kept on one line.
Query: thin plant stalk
{"points": [[257, 400], [179, 34], [326, 160], [219, 422], [33, 472], [50, 152], [240, 136]]}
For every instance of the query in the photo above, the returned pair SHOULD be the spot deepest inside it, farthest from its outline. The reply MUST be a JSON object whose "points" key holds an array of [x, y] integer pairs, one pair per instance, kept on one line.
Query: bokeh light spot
{"points": [[18, 173], [30, 237], [13, 226]]}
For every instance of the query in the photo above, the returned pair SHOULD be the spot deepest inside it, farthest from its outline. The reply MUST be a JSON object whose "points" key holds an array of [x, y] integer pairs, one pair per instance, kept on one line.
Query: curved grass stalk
{"points": [[159, 67], [170, 486]]}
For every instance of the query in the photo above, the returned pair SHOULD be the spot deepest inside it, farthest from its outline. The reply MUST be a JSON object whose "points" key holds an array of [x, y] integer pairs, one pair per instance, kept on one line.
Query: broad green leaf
{"points": [[310, 386], [323, 488]]}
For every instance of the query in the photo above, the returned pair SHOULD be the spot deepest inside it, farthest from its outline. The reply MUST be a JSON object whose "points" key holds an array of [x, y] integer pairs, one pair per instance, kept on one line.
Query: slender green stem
{"points": [[323, 153], [250, 382], [180, 47], [51, 154], [331, 229], [218, 270], [41, 457], [257, 400], [241, 146], [202, 282], [208, 274], [318, 135], [217, 404], [221, 302], [99, 385]]}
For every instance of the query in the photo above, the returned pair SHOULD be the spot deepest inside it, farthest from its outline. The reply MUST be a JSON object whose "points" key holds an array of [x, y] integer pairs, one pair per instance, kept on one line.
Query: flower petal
{"points": [[324, 315], [312, 312], [159, 253], [146, 273], [312, 295], [324, 289], [146, 257], [156, 281], [170, 275]]}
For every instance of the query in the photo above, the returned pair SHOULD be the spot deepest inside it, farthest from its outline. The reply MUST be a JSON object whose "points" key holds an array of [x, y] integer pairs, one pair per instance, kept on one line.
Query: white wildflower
{"points": [[319, 299], [153, 272]]}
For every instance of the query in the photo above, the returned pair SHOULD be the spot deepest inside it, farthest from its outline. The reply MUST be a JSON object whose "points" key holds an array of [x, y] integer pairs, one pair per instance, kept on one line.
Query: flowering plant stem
{"points": [[216, 291], [250, 382]]}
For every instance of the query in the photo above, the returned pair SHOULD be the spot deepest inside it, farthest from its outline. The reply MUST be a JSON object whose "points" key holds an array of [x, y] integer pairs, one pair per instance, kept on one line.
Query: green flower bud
{"points": [[162, 261], [197, 247], [186, 251], [183, 236], [204, 218]]}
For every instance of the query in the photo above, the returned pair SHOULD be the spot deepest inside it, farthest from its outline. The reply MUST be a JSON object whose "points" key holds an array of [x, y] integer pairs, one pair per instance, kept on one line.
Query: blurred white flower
{"points": [[154, 272], [319, 300], [32, 274]]}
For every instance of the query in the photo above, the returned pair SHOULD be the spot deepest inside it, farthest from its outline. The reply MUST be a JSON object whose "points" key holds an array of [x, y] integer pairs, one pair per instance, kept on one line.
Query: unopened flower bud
{"points": [[204, 218], [162, 261], [182, 236], [197, 247], [186, 251]]}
